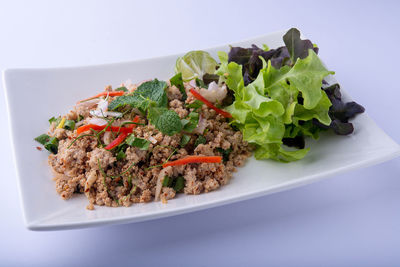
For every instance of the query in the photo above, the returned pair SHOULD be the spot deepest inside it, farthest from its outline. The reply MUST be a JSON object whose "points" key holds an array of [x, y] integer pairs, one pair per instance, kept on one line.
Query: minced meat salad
{"points": [[151, 141], [171, 142]]}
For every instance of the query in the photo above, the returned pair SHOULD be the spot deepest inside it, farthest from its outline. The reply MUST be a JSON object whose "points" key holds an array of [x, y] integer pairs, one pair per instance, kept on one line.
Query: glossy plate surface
{"points": [[34, 95]]}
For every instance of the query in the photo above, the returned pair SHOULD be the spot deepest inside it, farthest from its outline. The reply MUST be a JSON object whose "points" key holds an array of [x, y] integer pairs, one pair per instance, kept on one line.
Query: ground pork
{"points": [[83, 166]]}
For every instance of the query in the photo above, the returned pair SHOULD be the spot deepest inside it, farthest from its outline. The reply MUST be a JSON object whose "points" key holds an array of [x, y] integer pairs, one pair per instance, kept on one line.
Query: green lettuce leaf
{"points": [[306, 76], [277, 152], [279, 104]]}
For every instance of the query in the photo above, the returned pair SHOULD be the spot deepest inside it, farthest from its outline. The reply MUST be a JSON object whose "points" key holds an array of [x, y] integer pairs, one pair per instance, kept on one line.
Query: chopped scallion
{"points": [[179, 184], [69, 125]]}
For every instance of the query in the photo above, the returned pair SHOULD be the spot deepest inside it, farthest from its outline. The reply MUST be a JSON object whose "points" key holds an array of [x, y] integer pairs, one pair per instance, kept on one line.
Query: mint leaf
{"points": [[155, 91], [178, 82], [165, 120], [224, 152], [184, 140], [143, 144], [121, 155], [123, 88], [143, 96], [200, 140], [196, 104], [191, 121], [126, 100]]}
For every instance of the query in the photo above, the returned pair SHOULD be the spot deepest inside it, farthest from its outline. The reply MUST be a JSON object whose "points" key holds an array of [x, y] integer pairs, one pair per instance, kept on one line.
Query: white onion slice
{"points": [[152, 140], [213, 86], [79, 123], [201, 125], [113, 114], [103, 104], [88, 103], [214, 93], [97, 121], [164, 172]]}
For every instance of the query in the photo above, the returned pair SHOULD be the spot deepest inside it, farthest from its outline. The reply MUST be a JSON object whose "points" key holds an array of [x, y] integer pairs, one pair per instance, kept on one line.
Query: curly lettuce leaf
{"points": [[306, 76], [297, 48], [278, 99], [231, 74], [340, 112], [278, 153], [319, 112]]}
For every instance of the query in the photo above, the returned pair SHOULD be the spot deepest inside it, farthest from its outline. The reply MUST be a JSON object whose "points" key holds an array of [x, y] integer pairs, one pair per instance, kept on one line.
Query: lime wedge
{"points": [[195, 64]]}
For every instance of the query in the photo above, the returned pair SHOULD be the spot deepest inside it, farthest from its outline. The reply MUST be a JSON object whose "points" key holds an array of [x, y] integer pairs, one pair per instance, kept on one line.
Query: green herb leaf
{"points": [[191, 121], [200, 140], [69, 125], [52, 145], [200, 83], [55, 120], [196, 104], [122, 88], [121, 155], [52, 119], [143, 144], [42, 139], [179, 184], [165, 120], [224, 152], [146, 94], [80, 117], [184, 140], [178, 82]]}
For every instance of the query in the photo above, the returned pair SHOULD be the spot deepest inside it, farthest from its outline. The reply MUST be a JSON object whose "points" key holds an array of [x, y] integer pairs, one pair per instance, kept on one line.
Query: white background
{"points": [[348, 220]]}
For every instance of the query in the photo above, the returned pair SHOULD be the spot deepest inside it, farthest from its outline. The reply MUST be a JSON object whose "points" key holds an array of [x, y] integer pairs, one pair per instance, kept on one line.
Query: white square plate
{"points": [[34, 95]]}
